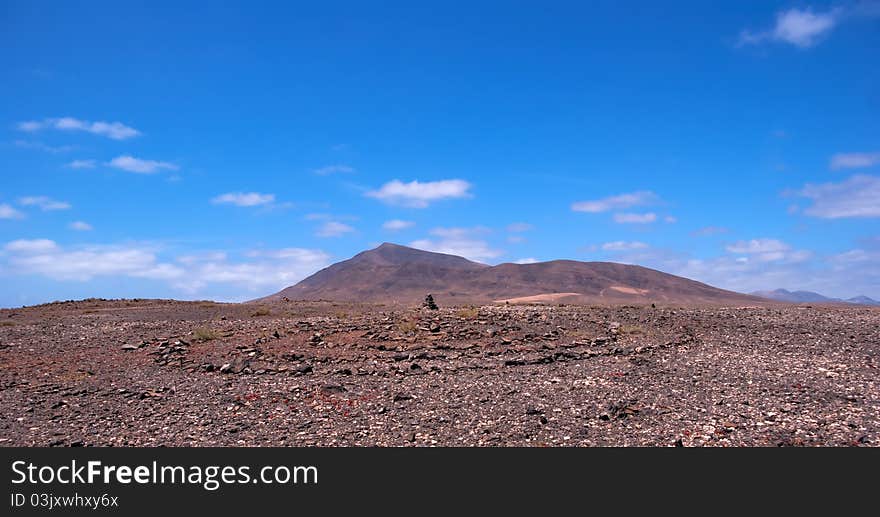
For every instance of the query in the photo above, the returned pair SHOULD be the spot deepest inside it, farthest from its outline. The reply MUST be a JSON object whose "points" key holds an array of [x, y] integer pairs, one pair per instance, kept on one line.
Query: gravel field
{"points": [[154, 372]]}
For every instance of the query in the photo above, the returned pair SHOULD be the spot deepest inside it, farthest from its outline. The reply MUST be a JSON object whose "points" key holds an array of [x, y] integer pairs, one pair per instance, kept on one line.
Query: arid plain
{"points": [[151, 372]]}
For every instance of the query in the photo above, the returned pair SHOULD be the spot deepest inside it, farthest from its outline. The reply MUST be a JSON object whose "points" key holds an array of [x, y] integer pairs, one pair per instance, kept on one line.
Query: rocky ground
{"points": [[151, 373]]}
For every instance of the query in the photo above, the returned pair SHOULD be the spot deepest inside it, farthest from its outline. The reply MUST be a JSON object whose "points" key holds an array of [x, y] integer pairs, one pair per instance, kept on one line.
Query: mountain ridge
{"points": [[392, 273], [784, 295]]}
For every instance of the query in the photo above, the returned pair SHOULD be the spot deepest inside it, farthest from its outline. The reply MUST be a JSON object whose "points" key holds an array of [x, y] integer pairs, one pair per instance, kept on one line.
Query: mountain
{"points": [[393, 273], [784, 295], [863, 300]]}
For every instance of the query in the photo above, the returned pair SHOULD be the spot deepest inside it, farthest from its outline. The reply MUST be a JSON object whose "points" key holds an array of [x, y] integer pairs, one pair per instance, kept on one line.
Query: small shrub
{"points": [[631, 329], [261, 311], [408, 325], [7, 323], [469, 313], [205, 334]]}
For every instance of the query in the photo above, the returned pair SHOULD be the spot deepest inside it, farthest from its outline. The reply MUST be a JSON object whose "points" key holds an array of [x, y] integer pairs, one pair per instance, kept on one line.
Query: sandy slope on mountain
{"points": [[541, 298]]}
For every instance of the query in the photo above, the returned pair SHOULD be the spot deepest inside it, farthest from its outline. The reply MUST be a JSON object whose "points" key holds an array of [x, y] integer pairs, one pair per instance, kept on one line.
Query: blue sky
{"points": [[200, 151]]}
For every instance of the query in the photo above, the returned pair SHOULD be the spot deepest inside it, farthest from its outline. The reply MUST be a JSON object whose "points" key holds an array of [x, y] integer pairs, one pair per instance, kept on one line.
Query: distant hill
{"points": [[784, 295], [392, 273], [863, 300]]}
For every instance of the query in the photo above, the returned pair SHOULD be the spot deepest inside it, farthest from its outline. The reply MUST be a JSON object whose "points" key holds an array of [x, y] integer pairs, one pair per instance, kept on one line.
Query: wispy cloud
{"points": [[805, 28], [417, 194], [44, 203], [9, 212], [333, 229], [854, 160], [464, 242], [708, 231], [40, 146], [527, 260], [767, 250], [80, 226], [333, 169], [623, 246], [45, 257], [395, 225], [858, 196], [640, 198], [262, 271], [244, 199], [30, 246], [114, 130], [139, 166], [758, 246], [631, 218], [802, 28], [519, 227], [81, 164]]}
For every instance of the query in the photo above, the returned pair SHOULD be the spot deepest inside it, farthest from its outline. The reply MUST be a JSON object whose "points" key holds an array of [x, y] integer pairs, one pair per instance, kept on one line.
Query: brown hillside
{"points": [[398, 274]]}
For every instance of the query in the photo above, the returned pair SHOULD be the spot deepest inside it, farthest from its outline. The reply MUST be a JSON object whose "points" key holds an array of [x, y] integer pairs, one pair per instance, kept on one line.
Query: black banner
{"points": [[234, 480]]}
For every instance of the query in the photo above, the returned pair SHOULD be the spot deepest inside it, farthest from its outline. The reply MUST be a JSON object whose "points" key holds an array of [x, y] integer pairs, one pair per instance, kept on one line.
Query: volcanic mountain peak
{"points": [[392, 273], [394, 254]]}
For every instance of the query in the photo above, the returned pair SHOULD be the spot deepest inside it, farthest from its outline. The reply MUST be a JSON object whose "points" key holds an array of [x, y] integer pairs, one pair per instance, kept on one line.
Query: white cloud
{"points": [[244, 199], [40, 146], [9, 212], [623, 246], [333, 229], [640, 198], [419, 195], [519, 227], [270, 270], [333, 169], [471, 249], [846, 274], [527, 260], [858, 196], [80, 226], [44, 257], [464, 242], [266, 270], [139, 166], [395, 225], [670, 219], [31, 246], [629, 218], [758, 246], [854, 160], [767, 250], [799, 27], [44, 203], [81, 164], [114, 130]]}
